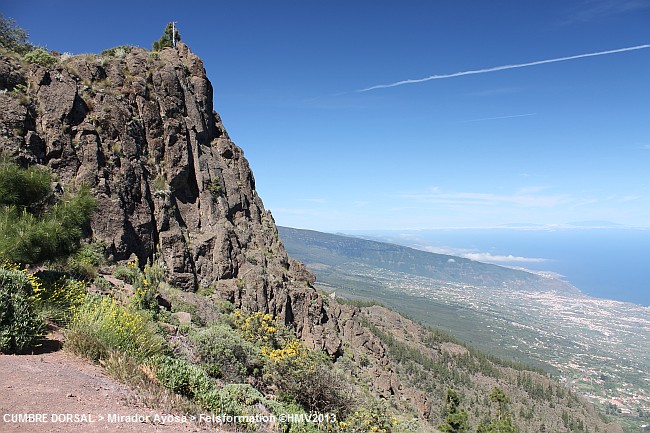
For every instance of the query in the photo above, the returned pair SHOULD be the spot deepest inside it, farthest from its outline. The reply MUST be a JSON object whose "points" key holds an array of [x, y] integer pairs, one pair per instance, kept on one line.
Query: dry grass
{"points": [[149, 393]]}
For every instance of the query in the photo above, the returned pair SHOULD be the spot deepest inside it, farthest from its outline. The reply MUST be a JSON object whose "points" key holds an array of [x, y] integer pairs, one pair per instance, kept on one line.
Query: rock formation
{"points": [[139, 128]]}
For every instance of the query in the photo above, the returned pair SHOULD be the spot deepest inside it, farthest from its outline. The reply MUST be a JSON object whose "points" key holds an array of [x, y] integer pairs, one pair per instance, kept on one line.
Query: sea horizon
{"points": [[608, 263]]}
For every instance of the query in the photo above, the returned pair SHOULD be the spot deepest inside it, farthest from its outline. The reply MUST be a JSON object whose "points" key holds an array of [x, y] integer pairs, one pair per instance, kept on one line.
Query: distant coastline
{"points": [[608, 263]]}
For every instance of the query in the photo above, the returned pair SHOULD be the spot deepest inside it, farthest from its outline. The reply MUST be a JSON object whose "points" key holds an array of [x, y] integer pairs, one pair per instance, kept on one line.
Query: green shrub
{"points": [[92, 253], [233, 399], [85, 262], [238, 399], [22, 187], [119, 51], [308, 378], [80, 269], [374, 418], [215, 187], [181, 377], [103, 284], [150, 393], [192, 381], [20, 326], [100, 325], [41, 57], [30, 231], [226, 355], [127, 273], [160, 183], [146, 284], [243, 399], [226, 307]]}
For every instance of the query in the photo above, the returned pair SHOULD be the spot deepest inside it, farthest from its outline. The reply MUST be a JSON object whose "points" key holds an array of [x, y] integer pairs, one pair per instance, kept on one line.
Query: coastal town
{"points": [[598, 347]]}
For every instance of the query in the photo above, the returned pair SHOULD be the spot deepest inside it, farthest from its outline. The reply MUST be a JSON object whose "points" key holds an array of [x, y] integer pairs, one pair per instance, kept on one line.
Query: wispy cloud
{"points": [[487, 257], [483, 119], [480, 256], [521, 198], [592, 10], [501, 68], [630, 198]]}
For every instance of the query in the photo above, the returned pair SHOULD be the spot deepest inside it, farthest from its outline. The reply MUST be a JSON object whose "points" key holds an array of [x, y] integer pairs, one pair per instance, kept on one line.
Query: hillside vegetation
{"points": [[596, 347]]}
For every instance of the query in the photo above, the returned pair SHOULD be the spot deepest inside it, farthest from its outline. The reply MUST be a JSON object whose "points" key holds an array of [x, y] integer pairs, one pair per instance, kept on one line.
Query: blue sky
{"points": [[545, 144]]}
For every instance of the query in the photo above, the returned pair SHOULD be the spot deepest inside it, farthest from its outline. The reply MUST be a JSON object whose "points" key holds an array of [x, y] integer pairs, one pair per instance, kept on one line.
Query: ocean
{"points": [[601, 262]]}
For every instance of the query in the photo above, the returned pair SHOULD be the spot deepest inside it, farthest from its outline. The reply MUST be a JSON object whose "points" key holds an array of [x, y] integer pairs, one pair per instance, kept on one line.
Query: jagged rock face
{"points": [[140, 130]]}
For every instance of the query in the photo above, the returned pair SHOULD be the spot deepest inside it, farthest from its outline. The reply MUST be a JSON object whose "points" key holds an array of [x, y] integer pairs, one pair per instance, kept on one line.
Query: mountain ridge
{"points": [[333, 249]]}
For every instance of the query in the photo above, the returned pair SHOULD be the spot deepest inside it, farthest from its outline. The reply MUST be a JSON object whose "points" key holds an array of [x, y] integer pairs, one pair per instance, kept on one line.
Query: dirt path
{"points": [[59, 385]]}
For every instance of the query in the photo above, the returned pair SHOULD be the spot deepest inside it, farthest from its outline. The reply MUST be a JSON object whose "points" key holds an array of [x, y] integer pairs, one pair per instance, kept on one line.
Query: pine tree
{"points": [[32, 229], [501, 399], [168, 38], [456, 421], [502, 423], [12, 37]]}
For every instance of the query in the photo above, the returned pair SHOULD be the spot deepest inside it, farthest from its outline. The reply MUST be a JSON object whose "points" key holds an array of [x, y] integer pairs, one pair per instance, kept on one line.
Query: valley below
{"points": [[597, 347]]}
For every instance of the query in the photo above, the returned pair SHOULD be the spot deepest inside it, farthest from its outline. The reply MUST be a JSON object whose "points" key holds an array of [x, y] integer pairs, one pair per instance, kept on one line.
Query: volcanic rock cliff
{"points": [[138, 127]]}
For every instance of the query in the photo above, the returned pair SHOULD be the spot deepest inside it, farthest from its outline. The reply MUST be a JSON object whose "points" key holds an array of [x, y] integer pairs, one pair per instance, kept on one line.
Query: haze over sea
{"points": [[611, 263]]}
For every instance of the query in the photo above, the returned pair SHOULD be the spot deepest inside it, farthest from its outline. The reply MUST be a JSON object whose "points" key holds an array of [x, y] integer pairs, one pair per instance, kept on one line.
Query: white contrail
{"points": [[501, 68]]}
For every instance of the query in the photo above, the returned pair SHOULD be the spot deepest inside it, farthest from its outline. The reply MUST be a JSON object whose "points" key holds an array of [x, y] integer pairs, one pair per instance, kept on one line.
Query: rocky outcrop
{"points": [[139, 128]]}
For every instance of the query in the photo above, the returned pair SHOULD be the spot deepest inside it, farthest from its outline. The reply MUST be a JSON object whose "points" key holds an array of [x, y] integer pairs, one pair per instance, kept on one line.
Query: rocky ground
{"points": [[57, 383]]}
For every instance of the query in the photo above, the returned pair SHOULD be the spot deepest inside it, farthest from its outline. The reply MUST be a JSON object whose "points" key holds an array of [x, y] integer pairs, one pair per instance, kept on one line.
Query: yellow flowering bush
{"points": [[145, 282], [292, 350], [20, 324], [58, 299], [276, 342], [258, 327], [146, 285], [294, 372], [372, 419], [101, 325], [128, 272]]}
